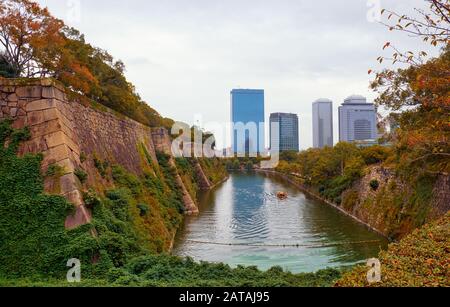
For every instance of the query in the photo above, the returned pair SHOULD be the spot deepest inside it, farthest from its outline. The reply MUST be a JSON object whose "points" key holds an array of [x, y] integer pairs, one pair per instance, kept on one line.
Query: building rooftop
{"points": [[283, 114], [355, 99], [247, 91], [323, 100]]}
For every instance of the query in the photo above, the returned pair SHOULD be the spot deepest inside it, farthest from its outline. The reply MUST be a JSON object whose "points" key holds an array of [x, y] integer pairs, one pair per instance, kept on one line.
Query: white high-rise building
{"points": [[323, 123], [357, 120]]}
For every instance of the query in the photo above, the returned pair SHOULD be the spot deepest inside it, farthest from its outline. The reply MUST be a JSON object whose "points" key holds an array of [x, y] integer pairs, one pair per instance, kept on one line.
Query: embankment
{"points": [[392, 207], [90, 148], [311, 193]]}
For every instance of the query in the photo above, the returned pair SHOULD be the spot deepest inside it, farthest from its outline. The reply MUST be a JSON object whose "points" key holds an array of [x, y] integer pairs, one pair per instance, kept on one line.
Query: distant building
{"points": [[357, 120], [286, 135], [323, 123], [248, 119]]}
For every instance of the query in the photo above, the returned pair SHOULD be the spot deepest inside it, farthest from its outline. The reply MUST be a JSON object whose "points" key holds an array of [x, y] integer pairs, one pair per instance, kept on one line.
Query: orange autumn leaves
{"points": [[34, 44], [38, 45]]}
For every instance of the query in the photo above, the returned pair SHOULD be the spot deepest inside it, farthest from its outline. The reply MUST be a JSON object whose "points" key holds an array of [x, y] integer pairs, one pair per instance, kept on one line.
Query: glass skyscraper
{"points": [[357, 120], [284, 135], [248, 119], [323, 123]]}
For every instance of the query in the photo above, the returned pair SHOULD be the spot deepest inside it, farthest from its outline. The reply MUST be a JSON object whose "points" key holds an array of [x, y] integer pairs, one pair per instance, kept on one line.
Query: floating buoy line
{"points": [[287, 245]]}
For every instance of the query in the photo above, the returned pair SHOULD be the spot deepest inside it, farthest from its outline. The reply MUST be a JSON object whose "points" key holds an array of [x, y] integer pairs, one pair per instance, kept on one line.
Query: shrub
{"points": [[83, 157], [249, 166], [101, 166], [81, 174], [375, 154], [144, 209], [54, 170], [374, 184], [91, 199]]}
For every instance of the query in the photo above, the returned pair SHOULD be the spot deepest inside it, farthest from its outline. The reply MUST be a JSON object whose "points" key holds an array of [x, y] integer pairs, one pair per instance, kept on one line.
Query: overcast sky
{"points": [[184, 56]]}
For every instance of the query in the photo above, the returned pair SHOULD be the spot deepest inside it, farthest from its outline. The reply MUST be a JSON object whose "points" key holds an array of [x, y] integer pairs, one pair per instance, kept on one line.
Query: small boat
{"points": [[282, 195]]}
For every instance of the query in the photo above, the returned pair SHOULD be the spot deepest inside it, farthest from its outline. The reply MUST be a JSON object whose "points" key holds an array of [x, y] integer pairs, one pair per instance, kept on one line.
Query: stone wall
{"points": [[67, 132], [441, 197], [162, 143], [36, 104]]}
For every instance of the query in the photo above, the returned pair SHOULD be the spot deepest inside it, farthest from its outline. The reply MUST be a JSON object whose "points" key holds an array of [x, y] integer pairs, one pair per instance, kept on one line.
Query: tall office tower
{"points": [[357, 120], [284, 133], [248, 119], [323, 123]]}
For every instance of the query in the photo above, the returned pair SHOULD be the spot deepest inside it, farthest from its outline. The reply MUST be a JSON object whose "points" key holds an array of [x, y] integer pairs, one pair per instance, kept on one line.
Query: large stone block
{"points": [[8, 89], [81, 217], [21, 112], [68, 183], [14, 112], [20, 122], [56, 154], [53, 92], [13, 97], [46, 128], [29, 91], [37, 145], [39, 105], [73, 146], [5, 110], [68, 168], [35, 118], [55, 139], [51, 114]]}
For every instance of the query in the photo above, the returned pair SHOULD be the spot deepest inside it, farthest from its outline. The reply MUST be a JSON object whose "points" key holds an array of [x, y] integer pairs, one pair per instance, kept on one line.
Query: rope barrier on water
{"points": [[287, 245]]}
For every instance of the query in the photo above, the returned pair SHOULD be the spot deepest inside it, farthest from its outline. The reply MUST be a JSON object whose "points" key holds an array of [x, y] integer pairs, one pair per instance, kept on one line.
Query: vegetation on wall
{"points": [[214, 169], [331, 171], [33, 240]]}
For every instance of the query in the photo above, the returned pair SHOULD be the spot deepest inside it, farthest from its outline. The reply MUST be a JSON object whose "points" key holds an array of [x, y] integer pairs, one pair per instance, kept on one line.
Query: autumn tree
{"points": [[30, 37], [421, 91], [38, 45]]}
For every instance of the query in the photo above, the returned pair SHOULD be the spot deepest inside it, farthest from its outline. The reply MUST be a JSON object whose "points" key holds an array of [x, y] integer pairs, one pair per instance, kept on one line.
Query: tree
{"points": [[38, 45], [420, 92], [30, 36], [6, 69], [289, 156]]}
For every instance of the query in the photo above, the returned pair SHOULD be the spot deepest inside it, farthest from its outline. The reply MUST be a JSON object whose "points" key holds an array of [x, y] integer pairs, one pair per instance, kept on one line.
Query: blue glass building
{"points": [[248, 119], [286, 136]]}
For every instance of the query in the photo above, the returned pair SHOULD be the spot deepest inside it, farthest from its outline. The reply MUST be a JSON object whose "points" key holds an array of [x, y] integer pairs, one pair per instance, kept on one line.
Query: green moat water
{"points": [[245, 210]]}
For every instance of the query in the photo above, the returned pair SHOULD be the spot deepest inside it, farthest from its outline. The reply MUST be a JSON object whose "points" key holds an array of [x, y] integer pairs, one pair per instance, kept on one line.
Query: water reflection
{"points": [[245, 209]]}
